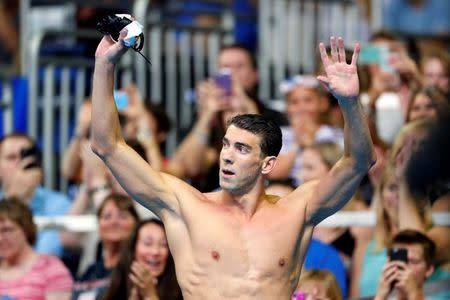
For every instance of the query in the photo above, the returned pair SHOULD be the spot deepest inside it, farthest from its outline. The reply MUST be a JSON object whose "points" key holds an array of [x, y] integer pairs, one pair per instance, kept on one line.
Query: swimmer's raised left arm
{"points": [[329, 194]]}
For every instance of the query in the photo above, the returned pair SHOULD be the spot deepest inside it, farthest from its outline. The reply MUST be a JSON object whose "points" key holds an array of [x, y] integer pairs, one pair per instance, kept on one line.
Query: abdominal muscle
{"points": [[259, 259]]}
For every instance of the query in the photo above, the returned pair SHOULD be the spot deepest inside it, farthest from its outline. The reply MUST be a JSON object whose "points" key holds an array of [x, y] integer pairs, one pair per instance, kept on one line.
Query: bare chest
{"points": [[264, 246]]}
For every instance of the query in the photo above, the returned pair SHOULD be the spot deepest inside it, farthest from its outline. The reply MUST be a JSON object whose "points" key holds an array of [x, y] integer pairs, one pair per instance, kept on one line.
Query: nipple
{"points": [[215, 255], [281, 262]]}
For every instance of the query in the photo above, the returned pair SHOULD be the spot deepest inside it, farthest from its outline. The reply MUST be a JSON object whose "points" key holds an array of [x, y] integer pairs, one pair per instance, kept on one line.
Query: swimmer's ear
{"points": [[268, 164]]}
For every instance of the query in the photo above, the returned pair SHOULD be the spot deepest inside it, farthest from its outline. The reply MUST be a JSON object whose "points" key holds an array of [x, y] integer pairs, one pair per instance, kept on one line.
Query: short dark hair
{"points": [[243, 48], [14, 210], [266, 129], [163, 122], [414, 237]]}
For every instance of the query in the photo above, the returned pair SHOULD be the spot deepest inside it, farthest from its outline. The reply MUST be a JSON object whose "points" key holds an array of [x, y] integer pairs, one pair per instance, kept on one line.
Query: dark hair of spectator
{"points": [[137, 146], [266, 129], [437, 98], [414, 237], [163, 122], [17, 135], [237, 46], [124, 203], [16, 211], [120, 284]]}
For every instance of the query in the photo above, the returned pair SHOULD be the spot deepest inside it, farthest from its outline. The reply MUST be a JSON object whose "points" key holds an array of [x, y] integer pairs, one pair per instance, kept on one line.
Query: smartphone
{"points": [[223, 80], [400, 254], [377, 54], [34, 152], [121, 99]]}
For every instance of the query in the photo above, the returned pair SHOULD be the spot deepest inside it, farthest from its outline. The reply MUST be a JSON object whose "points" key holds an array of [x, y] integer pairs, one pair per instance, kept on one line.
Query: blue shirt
{"points": [[48, 203], [321, 256]]}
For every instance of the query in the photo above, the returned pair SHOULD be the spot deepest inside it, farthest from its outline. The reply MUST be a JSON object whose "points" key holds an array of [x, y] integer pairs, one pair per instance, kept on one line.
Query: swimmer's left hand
{"points": [[341, 78]]}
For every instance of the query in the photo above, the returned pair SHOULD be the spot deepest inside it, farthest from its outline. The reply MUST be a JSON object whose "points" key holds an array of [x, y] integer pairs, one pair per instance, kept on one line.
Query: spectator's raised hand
{"points": [[240, 102], [406, 282], [211, 98], [341, 78], [387, 280]]}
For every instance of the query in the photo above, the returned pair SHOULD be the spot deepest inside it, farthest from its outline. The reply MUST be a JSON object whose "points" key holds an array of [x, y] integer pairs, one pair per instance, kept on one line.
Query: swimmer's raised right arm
{"points": [[147, 186]]}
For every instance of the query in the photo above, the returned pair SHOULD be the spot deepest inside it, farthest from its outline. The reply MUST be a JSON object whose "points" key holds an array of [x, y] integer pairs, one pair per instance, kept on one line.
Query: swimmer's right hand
{"points": [[109, 51]]}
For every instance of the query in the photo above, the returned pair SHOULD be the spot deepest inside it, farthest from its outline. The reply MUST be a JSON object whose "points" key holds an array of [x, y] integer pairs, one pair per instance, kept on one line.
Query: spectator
{"points": [[406, 279], [116, 219], [435, 67], [427, 103], [317, 285], [25, 274], [146, 267], [304, 107], [21, 178], [387, 225], [406, 148], [197, 156]]}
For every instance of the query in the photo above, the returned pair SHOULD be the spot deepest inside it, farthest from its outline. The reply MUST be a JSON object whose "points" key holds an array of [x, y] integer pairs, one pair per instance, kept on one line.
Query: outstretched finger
{"points": [[341, 50], [334, 53], [324, 56], [356, 54]]}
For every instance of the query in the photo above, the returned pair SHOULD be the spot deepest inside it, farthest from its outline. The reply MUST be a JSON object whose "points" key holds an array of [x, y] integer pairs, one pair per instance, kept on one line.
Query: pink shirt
{"points": [[48, 274]]}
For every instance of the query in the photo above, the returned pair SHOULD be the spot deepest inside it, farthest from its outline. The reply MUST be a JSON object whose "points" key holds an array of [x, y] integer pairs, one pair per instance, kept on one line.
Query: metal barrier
{"points": [[180, 55], [290, 30], [6, 98], [88, 223]]}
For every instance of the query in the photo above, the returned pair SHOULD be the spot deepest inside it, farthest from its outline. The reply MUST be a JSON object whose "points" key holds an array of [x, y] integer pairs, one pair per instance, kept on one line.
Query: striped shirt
{"points": [[47, 275]]}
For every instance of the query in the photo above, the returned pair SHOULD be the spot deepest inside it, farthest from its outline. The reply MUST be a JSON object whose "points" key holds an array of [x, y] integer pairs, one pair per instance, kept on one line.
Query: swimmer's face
{"points": [[241, 160]]}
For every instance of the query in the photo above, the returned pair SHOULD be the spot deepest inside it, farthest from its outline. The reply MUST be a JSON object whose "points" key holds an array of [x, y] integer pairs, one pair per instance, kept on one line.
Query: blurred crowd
{"points": [[405, 255]]}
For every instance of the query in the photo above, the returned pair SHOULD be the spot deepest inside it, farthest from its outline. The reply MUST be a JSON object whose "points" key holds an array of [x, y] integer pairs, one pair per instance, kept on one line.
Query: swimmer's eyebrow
{"points": [[244, 145]]}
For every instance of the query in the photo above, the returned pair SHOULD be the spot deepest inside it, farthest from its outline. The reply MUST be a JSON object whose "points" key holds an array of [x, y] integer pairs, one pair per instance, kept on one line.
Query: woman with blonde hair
{"points": [[317, 284], [386, 207]]}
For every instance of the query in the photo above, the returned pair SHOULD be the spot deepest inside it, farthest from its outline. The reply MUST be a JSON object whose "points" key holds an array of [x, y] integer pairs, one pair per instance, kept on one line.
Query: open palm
{"points": [[341, 78]]}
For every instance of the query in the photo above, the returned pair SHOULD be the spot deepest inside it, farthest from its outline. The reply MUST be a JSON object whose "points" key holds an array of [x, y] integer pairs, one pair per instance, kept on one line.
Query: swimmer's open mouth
{"points": [[227, 172]]}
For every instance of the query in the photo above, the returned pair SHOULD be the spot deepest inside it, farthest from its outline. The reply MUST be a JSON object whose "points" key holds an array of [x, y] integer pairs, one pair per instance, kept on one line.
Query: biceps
{"points": [[332, 192]]}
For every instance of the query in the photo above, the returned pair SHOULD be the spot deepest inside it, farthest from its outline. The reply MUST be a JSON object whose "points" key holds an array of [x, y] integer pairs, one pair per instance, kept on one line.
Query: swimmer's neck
{"points": [[248, 203]]}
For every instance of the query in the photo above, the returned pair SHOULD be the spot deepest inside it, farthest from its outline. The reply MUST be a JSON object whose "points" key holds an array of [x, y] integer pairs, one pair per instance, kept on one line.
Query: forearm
{"points": [[71, 161], [357, 141], [106, 131], [409, 214], [191, 153]]}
